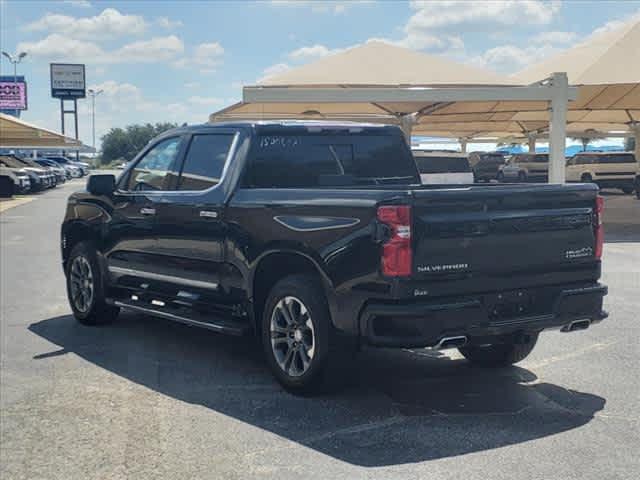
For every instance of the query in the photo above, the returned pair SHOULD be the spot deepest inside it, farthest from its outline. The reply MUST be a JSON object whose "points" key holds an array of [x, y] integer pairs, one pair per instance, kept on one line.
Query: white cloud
{"points": [[432, 14], [509, 58], [110, 23], [157, 49], [555, 37], [313, 52], [166, 22], [274, 70], [206, 56], [325, 6], [192, 85], [122, 97], [78, 3], [58, 47]]}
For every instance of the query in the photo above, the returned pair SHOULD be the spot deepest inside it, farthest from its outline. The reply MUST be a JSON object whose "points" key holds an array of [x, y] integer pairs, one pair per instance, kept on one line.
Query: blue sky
{"points": [[180, 61]]}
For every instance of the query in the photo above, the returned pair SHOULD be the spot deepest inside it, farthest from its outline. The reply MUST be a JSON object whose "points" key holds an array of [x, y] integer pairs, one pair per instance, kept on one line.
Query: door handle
{"points": [[208, 214], [147, 211]]}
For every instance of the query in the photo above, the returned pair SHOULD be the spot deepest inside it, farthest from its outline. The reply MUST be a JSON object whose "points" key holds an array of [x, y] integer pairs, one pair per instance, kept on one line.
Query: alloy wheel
{"points": [[82, 285], [292, 336]]}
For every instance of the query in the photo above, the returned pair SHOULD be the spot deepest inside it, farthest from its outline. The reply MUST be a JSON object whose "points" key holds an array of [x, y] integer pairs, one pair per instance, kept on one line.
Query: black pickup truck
{"points": [[319, 238]]}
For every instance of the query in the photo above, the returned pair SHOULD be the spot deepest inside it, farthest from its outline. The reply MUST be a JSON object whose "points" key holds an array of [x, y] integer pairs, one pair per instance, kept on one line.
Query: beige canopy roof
{"points": [[606, 67], [16, 133], [373, 64]]}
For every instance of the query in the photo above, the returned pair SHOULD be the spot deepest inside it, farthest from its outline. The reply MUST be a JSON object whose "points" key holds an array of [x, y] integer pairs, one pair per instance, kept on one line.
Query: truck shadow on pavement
{"points": [[398, 406]]}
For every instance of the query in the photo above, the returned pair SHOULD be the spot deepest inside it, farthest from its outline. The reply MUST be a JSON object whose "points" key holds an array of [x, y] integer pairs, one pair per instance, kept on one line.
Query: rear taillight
{"points": [[396, 251], [598, 227]]}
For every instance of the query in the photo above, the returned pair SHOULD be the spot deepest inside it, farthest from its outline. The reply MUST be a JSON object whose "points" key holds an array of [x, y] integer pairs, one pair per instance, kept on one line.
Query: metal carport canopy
{"points": [[16, 133], [555, 91]]}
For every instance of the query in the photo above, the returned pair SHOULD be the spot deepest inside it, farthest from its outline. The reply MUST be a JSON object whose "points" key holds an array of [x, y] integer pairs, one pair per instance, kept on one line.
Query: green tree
{"points": [[125, 143], [629, 144]]}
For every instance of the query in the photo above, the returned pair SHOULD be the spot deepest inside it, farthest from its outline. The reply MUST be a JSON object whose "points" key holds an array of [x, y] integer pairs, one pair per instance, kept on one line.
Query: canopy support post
{"points": [[558, 127], [406, 124], [532, 142], [635, 128], [463, 145]]}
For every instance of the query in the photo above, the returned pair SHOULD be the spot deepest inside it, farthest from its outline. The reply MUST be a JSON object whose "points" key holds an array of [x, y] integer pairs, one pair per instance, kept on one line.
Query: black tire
{"points": [[522, 177], [328, 350], [6, 187], [499, 355], [92, 310], [500, 177], [627, 190]]}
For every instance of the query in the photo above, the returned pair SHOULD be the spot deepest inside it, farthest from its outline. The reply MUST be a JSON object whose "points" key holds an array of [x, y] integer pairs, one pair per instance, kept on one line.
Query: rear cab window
{"points": [[308, 159]]}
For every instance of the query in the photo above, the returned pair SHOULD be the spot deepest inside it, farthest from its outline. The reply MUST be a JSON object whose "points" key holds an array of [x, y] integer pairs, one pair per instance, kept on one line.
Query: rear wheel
{"points": [[627, 190], [500, 177], [297, 333], [499, 355], [85, 287], [522, 177]]}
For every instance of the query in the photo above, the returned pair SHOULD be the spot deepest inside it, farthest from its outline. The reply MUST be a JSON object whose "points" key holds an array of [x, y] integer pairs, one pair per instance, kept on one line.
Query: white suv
{"points": [[607, 169], [443, 167]]}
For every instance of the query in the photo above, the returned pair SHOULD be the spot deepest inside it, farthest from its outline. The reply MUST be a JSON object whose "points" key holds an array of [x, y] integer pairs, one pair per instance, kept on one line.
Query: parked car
{"points": [[60, 173], [525, 167], [51, 176], [637, 185], [318, 237], [13, 180], [83, 167], [39, 178], [606, 169], [485, 165], [440, 168]]}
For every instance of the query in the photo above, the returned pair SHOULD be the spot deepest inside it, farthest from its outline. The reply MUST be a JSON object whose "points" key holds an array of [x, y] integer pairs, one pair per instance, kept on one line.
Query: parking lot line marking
{"points": [[577, 353], [14, 202]]}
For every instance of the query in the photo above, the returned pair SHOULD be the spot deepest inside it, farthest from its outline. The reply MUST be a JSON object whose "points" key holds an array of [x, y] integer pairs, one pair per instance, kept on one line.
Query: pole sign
{"points": [[67, 81], [13, 95]]}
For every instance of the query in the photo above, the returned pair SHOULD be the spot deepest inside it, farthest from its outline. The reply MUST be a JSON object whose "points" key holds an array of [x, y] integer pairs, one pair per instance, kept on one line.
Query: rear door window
{"points": [[618, 158], [205, 160]]}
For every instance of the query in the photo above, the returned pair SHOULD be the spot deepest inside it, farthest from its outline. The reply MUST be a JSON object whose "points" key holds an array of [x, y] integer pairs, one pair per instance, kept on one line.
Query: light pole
{"points": [[15, 59], [93, 94]]}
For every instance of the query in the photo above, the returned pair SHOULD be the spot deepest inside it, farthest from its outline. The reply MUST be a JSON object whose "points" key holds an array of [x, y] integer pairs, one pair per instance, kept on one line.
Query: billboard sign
{"points": [[67, 80], [13, 95]]}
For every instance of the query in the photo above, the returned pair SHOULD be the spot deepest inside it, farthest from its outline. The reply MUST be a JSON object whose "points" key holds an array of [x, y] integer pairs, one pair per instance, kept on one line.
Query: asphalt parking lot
{"points": [[145, 398]]}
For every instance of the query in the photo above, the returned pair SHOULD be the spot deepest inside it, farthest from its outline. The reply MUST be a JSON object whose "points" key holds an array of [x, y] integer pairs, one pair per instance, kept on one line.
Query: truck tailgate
{"points": [[489, 231]]}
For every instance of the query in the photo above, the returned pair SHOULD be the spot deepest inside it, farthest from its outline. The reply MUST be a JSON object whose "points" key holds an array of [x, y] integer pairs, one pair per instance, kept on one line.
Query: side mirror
{"points": [[101, 184]]}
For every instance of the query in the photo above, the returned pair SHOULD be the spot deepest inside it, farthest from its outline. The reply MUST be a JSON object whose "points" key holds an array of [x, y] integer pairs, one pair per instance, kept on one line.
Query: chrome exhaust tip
{"points": [[576, 325], [451, 342]]}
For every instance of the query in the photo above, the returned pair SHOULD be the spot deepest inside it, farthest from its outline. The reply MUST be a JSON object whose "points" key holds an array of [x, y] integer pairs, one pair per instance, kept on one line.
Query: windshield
{"points": [[13, 162], [443, 164]]}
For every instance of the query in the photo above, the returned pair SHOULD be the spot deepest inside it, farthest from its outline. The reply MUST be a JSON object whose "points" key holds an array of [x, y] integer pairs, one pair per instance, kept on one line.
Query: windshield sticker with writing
{"points": [[279, 141]]}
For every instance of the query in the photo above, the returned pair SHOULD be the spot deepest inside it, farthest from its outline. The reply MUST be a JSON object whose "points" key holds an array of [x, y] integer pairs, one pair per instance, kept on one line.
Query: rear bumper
{"points": [[478, 317]]}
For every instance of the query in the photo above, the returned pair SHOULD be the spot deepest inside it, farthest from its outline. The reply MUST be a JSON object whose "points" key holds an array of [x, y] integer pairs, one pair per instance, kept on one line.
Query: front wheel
{"points": [[499, 355], [85, 287], [500, 177], [296, 329], [627, 190]]}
